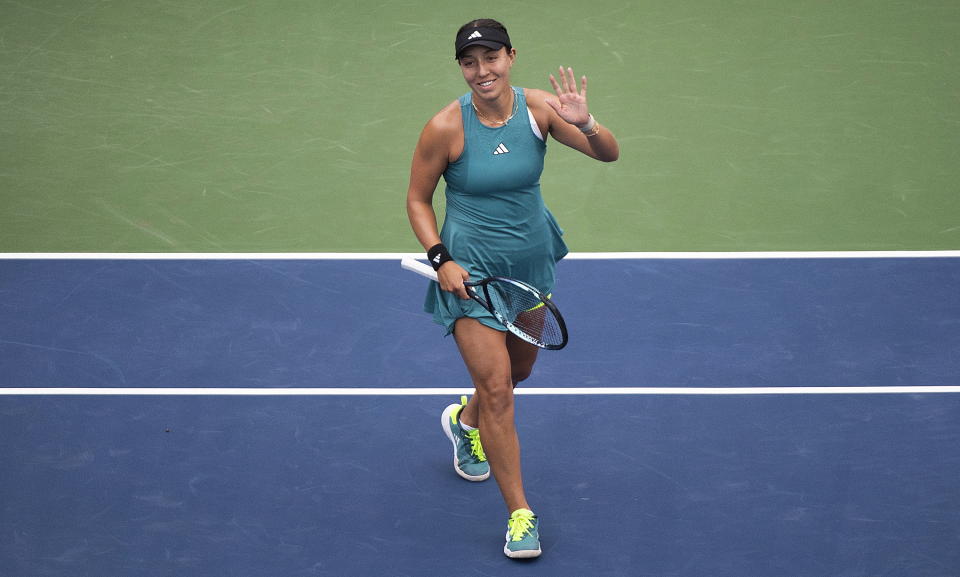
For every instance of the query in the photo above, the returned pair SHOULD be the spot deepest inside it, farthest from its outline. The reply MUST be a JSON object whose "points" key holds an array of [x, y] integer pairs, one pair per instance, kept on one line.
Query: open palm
{"points": [[571, 103]]}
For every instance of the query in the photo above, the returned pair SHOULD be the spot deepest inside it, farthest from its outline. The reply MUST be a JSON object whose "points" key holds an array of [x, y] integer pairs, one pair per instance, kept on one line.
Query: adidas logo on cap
{"points": [[476, 34]]}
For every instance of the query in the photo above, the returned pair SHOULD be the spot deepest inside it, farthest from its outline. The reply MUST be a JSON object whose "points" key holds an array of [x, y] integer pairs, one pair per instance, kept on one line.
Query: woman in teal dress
{"points": [[489, 146]]}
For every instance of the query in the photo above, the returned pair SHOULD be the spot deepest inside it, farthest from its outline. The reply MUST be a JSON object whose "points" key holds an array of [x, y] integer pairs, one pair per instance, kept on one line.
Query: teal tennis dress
{"points": [[496, 222]]}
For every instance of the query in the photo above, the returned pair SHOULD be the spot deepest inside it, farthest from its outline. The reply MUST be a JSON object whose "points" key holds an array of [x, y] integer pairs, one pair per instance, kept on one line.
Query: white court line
{"points": [[367, 392], [399, 255]]}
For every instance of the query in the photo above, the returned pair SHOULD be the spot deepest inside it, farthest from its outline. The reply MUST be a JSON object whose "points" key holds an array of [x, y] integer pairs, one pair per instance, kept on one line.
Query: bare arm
{"points": [[435, 149], [429, 162], [570, 112]]}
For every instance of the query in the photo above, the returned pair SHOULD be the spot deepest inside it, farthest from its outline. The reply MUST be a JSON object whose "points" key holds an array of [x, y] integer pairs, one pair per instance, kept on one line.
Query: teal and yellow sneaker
{"points": [[523, 535], [468, 458]]}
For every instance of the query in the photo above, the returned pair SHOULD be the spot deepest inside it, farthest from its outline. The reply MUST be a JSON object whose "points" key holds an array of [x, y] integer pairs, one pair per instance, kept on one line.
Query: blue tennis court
{"points": [[318, 452]]}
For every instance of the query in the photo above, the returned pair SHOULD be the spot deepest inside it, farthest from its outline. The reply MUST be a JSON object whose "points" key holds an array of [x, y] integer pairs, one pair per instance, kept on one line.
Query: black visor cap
{"points": [[494, 38]]}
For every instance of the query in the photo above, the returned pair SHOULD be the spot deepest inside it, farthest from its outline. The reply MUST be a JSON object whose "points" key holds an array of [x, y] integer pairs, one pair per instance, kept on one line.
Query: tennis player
{"points": [[489, 147]]}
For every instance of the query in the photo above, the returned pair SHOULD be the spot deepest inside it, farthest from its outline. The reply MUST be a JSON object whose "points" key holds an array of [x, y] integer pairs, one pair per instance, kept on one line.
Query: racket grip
{"points": [[418, 267]]}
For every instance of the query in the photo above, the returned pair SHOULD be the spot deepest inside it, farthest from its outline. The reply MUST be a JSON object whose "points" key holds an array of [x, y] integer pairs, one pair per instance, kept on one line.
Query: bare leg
{"points": [[523, 355], [489, 355]]}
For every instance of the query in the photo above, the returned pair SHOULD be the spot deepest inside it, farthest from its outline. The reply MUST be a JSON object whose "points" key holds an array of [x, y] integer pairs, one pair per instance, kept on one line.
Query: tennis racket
{"points": [[524, 310]]}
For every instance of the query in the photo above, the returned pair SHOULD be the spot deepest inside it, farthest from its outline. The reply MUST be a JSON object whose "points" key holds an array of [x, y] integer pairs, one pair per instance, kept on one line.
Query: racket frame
{"points": [[427, 271]]}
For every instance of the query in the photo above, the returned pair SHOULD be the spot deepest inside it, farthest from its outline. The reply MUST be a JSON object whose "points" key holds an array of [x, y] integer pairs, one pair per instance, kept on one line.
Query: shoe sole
{"points": [[445, 423], [523, 554]]}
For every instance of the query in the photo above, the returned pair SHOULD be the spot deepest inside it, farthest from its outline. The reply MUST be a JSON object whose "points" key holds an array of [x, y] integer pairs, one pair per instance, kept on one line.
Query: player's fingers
{"points": [[553, 82], [565, 80], [571, 80]]}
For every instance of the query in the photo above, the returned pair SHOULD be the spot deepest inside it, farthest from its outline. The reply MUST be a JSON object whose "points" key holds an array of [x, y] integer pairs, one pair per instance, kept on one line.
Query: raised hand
{"points": [[570, 104]]}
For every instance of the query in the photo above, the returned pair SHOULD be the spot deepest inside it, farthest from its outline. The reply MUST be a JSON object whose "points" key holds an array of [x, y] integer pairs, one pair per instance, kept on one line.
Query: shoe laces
{"points": [[476, 449], [520, 523]]}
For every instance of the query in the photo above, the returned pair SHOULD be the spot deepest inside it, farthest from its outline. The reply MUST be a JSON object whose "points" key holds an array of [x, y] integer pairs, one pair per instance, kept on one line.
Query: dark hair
{"points": [[498, 29]]}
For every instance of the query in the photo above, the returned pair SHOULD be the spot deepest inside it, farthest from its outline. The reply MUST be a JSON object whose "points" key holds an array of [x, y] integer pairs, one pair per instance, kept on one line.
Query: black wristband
{"points": [[437, 255]]}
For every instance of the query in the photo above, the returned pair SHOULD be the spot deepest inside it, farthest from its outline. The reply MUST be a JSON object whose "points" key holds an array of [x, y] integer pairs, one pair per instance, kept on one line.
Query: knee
{"points": [[497, 396], [521, 374], [521, 369]]}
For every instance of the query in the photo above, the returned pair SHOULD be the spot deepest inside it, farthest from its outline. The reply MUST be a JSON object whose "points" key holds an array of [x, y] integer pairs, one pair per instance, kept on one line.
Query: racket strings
{"points": [[526, 311]]}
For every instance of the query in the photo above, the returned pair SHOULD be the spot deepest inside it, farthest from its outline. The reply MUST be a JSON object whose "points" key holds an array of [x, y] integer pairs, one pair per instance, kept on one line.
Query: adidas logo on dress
{"points": [[501, 149]]}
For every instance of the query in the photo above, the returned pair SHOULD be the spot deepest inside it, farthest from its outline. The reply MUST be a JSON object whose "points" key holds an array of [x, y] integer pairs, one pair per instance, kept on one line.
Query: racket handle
{"points": [[418, 267]]}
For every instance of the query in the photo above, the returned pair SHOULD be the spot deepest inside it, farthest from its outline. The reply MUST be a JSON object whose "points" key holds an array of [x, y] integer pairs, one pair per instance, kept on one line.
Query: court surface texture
{"points": [[252, 416]]}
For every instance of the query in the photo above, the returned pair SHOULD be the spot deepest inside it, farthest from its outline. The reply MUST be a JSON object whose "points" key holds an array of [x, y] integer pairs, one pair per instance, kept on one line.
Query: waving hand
{"points": [[570, 103]]}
